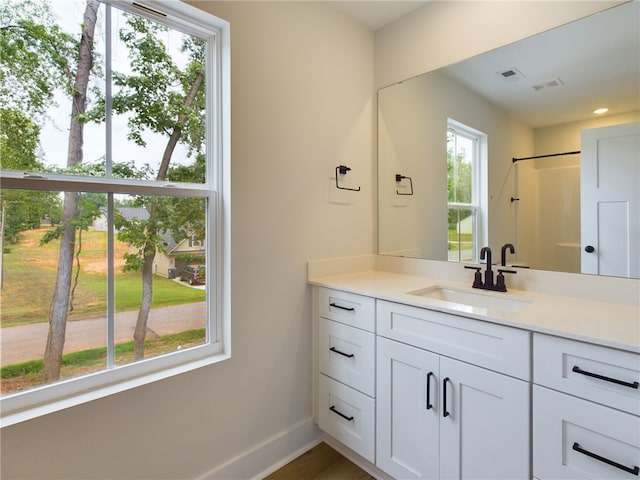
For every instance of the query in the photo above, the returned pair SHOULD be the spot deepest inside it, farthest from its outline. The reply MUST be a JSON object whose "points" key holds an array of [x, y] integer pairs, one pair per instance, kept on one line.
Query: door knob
{"points": [[589, 249]]}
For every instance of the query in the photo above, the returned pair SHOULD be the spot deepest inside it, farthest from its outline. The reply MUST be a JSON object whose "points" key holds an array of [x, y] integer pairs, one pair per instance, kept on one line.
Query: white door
{"points": [[486, 433], [407, 411], [610, 200]]}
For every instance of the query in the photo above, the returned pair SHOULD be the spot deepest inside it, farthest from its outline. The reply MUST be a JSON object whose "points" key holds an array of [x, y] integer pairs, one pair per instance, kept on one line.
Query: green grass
{"points": [[459, 240], [98, 356], [30, 272]]}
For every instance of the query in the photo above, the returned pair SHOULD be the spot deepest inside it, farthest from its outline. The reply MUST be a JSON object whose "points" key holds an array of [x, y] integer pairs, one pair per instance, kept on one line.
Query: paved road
{"points": [[27, 342]]}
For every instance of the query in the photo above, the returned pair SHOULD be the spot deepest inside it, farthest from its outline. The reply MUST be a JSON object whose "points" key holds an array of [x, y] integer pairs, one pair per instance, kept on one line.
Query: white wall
{"points": [[302, 87], [303, 84]]}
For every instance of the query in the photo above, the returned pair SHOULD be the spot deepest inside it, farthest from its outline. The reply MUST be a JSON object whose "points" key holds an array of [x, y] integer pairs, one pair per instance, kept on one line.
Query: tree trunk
{"points": [[60, 301], [145, 307], [177, 131], [150, 250]]}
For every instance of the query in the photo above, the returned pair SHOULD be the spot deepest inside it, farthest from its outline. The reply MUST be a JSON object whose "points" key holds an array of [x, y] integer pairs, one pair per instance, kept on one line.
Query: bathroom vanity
{"points": [[430, 379]]}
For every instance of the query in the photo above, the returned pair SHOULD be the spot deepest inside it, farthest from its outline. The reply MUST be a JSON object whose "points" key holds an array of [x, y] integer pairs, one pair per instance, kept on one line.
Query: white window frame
{"points": [[45, 399], [480, 183]]}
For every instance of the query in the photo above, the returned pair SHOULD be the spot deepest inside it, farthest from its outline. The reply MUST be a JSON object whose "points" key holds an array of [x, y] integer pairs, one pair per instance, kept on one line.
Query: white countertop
{"points": [[609, 324]]}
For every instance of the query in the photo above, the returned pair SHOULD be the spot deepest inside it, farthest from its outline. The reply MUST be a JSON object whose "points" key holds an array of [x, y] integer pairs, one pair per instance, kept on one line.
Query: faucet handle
{"points": [[500, 285], [477, 277]]}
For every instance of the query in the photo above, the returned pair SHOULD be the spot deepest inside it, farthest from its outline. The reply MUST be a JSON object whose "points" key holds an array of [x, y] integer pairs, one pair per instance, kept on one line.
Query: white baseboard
{"points": [[268, 456]]}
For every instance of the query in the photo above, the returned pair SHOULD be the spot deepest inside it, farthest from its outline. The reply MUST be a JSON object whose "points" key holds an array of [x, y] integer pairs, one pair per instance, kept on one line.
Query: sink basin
{"points": [[473, 298]]}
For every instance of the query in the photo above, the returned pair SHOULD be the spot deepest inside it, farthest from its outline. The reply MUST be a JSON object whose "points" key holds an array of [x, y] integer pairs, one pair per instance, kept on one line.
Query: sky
{"points": [[54, 135]]}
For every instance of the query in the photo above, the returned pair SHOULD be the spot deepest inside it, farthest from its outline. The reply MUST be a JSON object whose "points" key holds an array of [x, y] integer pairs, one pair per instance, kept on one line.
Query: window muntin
{"points": [[195, 193], [464, 192]]}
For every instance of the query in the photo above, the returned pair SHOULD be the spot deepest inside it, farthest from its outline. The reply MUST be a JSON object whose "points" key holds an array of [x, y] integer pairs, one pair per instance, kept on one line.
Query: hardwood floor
{"points": [[320, 463]]}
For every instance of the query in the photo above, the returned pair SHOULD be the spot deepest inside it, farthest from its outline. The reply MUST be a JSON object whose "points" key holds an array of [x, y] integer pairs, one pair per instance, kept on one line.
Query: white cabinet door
{"points": [[442, 418], [407, 411], [485, 433]]}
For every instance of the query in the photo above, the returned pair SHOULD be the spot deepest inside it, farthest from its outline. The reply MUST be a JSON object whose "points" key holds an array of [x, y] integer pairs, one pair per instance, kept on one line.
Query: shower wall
{"points": [[549, 192]]}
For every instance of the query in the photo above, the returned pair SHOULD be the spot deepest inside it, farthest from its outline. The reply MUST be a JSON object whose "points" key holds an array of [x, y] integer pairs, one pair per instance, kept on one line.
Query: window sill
{"points": [[34, 403]]}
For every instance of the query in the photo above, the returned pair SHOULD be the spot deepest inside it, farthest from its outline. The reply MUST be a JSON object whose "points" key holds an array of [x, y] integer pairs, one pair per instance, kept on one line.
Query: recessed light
{"points": [[600, 111]]}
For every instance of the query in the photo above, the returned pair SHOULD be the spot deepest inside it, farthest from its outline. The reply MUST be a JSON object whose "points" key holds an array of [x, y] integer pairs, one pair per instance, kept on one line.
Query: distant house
{"points": [[466, 225], [176, 255], [129, 213]]}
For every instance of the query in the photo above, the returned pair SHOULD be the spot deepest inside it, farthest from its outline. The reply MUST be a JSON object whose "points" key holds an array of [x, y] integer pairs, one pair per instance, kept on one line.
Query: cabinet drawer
{"points": [[349, 308], [569, 366], [348, 416], [575, 438], [347, 354], [496, 347]]}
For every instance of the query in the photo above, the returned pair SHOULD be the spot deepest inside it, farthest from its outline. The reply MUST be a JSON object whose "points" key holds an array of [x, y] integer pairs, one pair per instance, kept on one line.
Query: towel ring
{"points": [[342, 170]]}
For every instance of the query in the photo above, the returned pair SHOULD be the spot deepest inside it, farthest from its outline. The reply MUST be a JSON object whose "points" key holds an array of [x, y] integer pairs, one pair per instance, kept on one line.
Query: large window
{"points": [[115, 187], [465, 187]]}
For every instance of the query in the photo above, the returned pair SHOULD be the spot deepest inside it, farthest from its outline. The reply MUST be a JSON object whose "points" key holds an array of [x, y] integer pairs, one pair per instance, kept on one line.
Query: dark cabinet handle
{"points": [[635, 470], [577, 369], [589, 249], [429, 405], [333, 409], [445, 413], [348, 355], [348, 309]]}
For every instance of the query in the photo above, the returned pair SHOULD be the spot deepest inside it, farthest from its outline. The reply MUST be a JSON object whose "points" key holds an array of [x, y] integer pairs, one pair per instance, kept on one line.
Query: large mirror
{"points": [[455, 171]]}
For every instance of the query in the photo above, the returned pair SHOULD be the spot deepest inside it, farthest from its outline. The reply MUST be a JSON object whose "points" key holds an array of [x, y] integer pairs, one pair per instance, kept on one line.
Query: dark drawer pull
{"points": [[348, 309], [333, 409], [348, 355], [635, 470], [429, 404], [577, 369], [445, 413]]}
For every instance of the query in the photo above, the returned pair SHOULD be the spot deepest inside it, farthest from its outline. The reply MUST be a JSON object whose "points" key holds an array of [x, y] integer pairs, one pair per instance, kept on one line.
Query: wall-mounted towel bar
{"points": [[342, 170], [399, 178]]}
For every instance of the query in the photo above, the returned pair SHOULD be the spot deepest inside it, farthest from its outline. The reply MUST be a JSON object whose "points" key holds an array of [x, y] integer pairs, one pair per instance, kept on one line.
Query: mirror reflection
{"points": [[505, 148]]}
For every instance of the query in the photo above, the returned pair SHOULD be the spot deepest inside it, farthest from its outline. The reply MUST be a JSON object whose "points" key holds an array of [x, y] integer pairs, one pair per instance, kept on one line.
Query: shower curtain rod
{"points": [[545, 156]]}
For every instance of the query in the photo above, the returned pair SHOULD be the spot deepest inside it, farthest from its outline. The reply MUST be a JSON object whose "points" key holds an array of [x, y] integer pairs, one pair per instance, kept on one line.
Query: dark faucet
{"points": [[488, 284], [488, 274], [503, 258]]}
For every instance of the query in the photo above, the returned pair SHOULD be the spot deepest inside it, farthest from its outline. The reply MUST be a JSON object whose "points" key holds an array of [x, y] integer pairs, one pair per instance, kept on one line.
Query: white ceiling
{"points": [[566, 72]]}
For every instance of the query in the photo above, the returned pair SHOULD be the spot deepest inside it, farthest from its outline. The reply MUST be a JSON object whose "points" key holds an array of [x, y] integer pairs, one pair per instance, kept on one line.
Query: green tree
{"points": [[38, 59], [24, 209], [148, 95], [62, 291], [459, 180], [36, 56], [19, 136], [34, 59]]}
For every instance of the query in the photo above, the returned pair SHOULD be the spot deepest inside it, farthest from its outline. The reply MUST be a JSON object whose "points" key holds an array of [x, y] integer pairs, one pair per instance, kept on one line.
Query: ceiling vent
{"points": [[511, 75], [556, 82]]}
